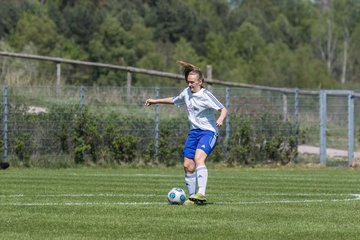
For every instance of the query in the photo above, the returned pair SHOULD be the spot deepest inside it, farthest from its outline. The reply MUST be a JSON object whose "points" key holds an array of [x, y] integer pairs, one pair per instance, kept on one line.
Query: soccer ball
{"points": [[176, 196]]}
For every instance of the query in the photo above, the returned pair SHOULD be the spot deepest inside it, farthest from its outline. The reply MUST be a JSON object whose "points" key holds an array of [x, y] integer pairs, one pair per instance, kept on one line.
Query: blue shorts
{"points": [[199, 139]]}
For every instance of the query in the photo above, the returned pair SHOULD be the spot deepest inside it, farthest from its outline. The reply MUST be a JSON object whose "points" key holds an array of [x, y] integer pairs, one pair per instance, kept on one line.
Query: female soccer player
{"points": [[201, 106]]}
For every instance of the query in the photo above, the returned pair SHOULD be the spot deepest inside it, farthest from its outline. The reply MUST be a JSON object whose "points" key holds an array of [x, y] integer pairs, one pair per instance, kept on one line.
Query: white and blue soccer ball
{"points": [[176, 196]]}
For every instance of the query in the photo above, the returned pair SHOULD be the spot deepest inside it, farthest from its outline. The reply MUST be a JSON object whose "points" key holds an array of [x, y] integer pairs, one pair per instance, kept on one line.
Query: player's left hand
{"points": [[219, 123]]}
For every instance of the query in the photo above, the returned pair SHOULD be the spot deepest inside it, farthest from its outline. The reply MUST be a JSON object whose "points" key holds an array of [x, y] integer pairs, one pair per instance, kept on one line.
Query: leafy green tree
{"points": [[142, 41], [332, 35], [10, 13], [127, 12], [216, 51], [275, 61], [300, 15], [273, 42], [184, 51], [153, 60], [309, 71], [82, 18], [39, 30], [282, 30], [354, 68], [55, 11], [209, 19], [347, 16], [282, 67], [67, 48], [113, 44], [218, 48], [171, 20], [247, 41], [324, 37]]}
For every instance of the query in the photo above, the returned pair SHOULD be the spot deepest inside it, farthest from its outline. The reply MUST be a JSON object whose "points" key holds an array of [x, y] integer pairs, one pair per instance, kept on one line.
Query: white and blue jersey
{"points": [[201, 108]]}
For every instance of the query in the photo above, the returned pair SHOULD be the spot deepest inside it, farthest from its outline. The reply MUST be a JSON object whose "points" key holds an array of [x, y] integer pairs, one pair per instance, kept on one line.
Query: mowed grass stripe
{"points": [[251, 204]]}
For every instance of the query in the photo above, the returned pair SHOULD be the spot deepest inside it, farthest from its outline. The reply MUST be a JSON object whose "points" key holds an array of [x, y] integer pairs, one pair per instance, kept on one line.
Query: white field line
{"points": [[82, 203], [80, 195], [355, 197], [125, 175], [288, 201], [162, 195]]}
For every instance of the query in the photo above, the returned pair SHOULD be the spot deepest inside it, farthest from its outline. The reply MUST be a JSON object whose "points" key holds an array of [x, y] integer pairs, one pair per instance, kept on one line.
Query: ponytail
{"points": [[188, 68]]}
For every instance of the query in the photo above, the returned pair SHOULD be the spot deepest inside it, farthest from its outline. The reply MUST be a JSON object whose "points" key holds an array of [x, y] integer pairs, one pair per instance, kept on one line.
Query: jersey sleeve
{"points": [[213, 102], [179, 100]]}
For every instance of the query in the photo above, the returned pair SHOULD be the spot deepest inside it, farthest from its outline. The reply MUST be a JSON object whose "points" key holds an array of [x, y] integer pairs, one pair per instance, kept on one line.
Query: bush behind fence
{"points": [[105, 126]]}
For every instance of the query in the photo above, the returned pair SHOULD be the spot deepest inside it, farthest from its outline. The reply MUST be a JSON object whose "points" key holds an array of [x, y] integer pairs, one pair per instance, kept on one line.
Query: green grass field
{"points": [[123, 203]]}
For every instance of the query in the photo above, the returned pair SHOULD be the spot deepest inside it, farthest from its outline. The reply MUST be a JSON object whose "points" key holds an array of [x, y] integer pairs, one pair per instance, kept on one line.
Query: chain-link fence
{"points": [[65, 123], [42, 125]]}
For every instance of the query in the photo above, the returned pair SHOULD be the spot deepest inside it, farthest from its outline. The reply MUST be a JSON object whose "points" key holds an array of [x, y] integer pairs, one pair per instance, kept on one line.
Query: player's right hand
{"points": [[149, 102]]}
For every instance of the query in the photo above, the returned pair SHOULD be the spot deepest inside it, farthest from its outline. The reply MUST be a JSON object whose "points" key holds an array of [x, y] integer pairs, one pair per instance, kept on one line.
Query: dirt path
{"points": [[331, 152]]}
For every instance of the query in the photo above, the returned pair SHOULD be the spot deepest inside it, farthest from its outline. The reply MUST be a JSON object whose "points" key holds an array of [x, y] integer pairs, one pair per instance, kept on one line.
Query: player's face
{"points": [[194, 83]]}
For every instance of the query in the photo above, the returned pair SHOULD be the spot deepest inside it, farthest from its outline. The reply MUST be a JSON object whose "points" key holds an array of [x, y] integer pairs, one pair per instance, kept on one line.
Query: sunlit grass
{"points": [[124, 203]]}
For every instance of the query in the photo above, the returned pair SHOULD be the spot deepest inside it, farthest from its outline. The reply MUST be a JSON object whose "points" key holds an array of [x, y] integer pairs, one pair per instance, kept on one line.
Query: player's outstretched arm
{"points": [[220, 120], [151, 101]]}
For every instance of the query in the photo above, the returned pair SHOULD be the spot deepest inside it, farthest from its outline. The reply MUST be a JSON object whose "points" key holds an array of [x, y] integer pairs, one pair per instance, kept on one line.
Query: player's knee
{"points": [[199, 161], [189, 167]]}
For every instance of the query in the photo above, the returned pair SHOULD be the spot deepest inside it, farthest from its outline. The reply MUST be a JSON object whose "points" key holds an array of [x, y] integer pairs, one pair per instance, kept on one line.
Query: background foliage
{"points": [[112, 139], [284, 43]]}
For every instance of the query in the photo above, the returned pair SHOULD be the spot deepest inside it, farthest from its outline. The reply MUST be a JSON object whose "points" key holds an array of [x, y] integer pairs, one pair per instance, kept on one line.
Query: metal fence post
{"points": [[82, 99], [157, 94], [227, 122], [351, 127], [5, 122], [285, 107], [128, 85], [58, 79], [209, 76], [323, 127], [296, 119]]}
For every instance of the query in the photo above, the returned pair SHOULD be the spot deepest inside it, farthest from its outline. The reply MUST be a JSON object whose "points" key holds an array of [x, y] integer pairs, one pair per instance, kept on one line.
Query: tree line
{"points": [[281, 43]]}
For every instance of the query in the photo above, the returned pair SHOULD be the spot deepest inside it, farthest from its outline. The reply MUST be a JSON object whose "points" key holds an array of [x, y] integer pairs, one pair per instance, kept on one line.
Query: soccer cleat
{"points": [[198, 198], [189, 202]]}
